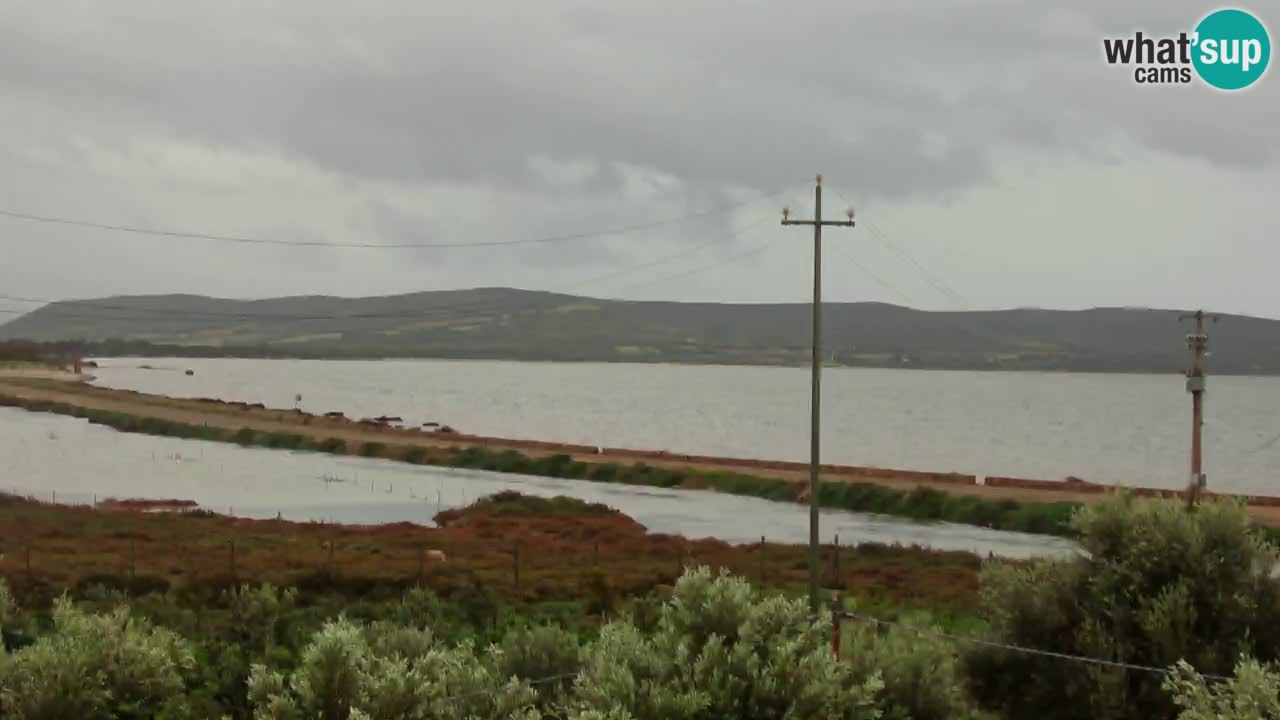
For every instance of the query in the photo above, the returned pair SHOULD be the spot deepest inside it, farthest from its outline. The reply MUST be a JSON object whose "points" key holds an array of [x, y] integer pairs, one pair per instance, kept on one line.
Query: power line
{"points": [[1019, 648], [48, 219], [871, 274], [936, 282], [692, 250], [117, 311], [748, 253], [126, 312]]}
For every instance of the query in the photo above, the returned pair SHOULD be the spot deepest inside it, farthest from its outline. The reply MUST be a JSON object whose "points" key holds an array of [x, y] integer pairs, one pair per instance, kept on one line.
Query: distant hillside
{"points": [[525, 325]]}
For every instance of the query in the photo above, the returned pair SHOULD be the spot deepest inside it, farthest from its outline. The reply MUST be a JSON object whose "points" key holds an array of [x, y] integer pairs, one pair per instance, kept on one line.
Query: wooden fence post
{"points": [[837, 614], [835, 563], [760, 561], [231, 557], [515, 564]]}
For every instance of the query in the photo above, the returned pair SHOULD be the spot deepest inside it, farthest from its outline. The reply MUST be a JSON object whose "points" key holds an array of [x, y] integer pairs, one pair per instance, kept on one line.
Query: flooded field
{"points": [[47, 454]]}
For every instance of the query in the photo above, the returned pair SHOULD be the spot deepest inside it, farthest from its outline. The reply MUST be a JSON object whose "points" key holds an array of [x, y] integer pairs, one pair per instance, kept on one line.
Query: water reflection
{"points": [[78, 461]]}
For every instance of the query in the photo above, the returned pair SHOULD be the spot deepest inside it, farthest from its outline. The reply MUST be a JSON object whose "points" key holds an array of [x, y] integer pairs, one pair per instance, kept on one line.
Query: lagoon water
{"points": [[47, 455], [1121, 429]]}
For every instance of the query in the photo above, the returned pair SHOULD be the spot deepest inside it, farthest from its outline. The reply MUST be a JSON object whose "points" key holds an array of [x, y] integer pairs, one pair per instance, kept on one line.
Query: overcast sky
{"points": [[994, 159]]}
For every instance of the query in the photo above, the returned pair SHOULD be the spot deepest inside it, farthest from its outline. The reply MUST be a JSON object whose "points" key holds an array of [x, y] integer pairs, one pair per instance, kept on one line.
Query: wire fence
{"points": [[969, 640], [52, 497]]}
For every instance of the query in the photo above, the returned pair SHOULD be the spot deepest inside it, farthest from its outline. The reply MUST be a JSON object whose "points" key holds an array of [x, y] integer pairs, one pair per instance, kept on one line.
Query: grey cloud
{"points": [[717, 93], [417, 121]]}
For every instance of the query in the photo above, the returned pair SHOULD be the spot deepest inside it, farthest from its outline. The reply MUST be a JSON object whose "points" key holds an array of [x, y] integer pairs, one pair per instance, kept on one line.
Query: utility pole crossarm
{"points": [[824, 223]]}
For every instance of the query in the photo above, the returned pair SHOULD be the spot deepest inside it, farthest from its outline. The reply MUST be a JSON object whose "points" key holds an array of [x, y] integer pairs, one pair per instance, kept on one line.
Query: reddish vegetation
{"points": [[564, 554], [1072, 485], [137, 504], [1081, 486]]}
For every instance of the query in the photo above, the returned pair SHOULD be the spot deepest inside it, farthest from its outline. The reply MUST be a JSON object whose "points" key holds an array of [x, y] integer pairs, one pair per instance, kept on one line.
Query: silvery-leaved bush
{"points": [[97, 667], [386, 672], [1253, 693], [719, 651]]}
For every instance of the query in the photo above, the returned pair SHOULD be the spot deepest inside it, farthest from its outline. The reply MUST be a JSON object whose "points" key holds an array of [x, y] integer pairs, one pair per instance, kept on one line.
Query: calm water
{"points": [[47, 454], [1124, 429]]}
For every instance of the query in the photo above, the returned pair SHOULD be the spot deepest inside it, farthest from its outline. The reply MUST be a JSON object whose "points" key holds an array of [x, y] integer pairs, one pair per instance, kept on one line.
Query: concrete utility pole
{"points": [[815, 422], [1197, 342]]}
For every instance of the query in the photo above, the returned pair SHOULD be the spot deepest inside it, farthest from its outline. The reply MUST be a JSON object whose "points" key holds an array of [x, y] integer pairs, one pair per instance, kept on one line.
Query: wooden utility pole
{"points": [[815, 420], [1197, 342]]}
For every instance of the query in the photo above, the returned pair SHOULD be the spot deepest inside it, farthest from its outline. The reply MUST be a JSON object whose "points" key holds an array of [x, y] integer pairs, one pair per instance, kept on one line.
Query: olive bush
{"points": [[1155, 584], [545, 654], [93, 667], [718, 652], [1252, 694], [922, 675], [258, 613], [352, 672]]}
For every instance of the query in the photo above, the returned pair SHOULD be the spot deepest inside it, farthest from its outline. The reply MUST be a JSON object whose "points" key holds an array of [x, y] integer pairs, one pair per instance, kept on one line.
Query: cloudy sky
{"points": [[993, 158]]}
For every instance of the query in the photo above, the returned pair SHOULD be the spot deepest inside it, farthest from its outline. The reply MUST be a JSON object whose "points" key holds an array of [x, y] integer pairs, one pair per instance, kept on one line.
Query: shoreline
{"points": [[774, 479], [799, 365]]}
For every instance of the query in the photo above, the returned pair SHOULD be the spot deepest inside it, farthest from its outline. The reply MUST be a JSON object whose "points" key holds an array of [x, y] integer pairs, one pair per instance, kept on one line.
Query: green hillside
{"points": [[527, 325]]}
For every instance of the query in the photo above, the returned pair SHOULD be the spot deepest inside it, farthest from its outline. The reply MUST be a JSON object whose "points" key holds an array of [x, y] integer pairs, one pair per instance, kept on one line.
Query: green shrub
{"points": [[1154, 585], [97, 666], [923, 677], [336, 446], [7, 605], [1253, 693], [538, 652], [282, 440], [372, 449], [259, 614], [767, 488], [245, 436], [415, 455], [510, 502], [605, 472], [721, 652], [341, 674]]}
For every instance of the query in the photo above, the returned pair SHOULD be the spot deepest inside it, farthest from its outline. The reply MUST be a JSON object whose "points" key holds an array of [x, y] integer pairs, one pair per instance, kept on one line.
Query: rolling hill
{"points": [[530, 325]]}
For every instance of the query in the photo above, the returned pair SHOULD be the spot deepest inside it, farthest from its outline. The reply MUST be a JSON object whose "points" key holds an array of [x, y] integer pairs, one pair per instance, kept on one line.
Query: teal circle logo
{"points": [[1232, 49]]}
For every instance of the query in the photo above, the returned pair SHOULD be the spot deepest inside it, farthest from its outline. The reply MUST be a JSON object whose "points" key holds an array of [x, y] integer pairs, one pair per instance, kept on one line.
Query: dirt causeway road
{"points": [[69, 389]]}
